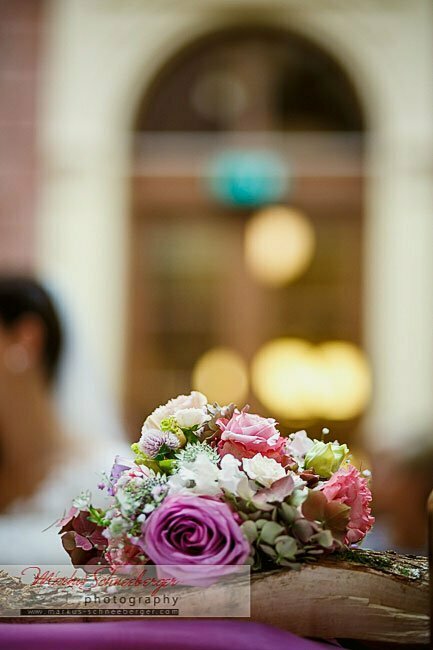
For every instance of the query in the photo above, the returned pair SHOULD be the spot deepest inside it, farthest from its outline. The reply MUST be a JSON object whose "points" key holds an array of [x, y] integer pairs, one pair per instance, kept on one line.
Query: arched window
{"points": [[239, 121]]}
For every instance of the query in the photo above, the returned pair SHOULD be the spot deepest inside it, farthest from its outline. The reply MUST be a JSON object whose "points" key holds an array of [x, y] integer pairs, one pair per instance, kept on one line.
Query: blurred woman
{"points": [[30, 348], [57, 432], [402, 482]]}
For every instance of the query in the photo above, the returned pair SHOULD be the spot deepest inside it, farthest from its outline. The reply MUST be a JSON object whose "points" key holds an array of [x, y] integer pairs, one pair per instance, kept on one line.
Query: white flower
{"points": [[196, 477], [191, 450], [154, 420], [136, 476], [190, 417], [264, 470], [82, 502], [232, 479], [298, 444], [195, 400], [118, 525], [127, 504]]}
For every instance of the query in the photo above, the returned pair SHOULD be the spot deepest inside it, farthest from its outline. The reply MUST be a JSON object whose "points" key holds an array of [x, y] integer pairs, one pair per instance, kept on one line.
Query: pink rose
{"points": [[246, 435], [349, 487]]}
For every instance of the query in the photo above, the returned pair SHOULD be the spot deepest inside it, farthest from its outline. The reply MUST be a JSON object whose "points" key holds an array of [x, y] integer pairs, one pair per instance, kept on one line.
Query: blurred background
{"points": [[233, 196]]}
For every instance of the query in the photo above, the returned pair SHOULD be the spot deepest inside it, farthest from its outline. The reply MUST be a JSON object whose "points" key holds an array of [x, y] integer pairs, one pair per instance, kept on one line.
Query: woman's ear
{"points": [[27, 344]]}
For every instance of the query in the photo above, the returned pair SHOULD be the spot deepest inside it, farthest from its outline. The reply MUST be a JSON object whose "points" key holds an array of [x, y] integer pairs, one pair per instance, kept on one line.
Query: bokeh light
{"points": [[279, 245], [281, 376], [248, 178], [222, 375], [346, 380], [297, 380]]}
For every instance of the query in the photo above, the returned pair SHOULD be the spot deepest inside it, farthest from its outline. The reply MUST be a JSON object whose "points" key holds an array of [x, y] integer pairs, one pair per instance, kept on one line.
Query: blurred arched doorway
{"points": [[282, 111]]}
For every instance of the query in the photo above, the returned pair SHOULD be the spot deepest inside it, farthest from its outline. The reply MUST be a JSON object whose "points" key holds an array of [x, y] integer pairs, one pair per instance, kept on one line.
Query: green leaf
{"points": [[292, 565], [163, 452], [167, 465], [303, 529], [270, 531], [249, 529], [324, 538], [288, 513], [97, 516], [190, 436], [286, 548], [268, 550]]}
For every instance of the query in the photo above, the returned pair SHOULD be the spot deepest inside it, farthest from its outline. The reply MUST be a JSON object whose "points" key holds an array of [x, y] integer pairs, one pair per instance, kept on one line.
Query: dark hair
{"points": [[23, 296]]}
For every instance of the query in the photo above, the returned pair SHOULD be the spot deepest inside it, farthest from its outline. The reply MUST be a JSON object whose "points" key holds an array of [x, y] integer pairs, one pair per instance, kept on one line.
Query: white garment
{"points": [[23, 538]]}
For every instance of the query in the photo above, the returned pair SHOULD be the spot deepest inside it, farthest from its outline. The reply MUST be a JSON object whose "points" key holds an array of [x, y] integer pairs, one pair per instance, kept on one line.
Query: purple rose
{"points": [[199, 533]]}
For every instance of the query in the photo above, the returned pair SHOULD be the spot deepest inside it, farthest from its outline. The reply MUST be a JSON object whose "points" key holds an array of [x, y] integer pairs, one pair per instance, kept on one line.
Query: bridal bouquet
{"points": [[211, 485]]}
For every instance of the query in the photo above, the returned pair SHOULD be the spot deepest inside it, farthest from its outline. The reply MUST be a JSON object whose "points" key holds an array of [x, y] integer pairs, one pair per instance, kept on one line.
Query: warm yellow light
{"points": [[282, 375], [346, 381], [222, 375], [279, 245], [296, 380]]}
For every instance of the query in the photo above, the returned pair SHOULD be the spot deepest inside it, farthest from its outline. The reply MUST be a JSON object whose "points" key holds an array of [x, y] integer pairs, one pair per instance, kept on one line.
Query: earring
{"points": [[16, 359]]}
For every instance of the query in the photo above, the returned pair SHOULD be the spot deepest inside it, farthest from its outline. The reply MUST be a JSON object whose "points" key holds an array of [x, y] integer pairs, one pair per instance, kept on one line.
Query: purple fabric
{"points": [[151, 635]]}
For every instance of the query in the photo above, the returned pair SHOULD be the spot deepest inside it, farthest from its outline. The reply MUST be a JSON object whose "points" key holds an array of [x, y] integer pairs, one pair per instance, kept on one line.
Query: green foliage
{"points": [[143, 459], [270, 532], [98, 516], [281, 535], [167, 465], [190, 435]]}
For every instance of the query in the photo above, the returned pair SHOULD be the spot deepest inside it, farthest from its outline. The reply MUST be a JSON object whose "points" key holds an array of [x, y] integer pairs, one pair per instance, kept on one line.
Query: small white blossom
{"points": [[234, 480], [118, 525], [126, 503], [298, 444], [191, 417], [264, 470], [195, 400], [197, 477], [154, 420], [192, 450], [82, 502]]}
